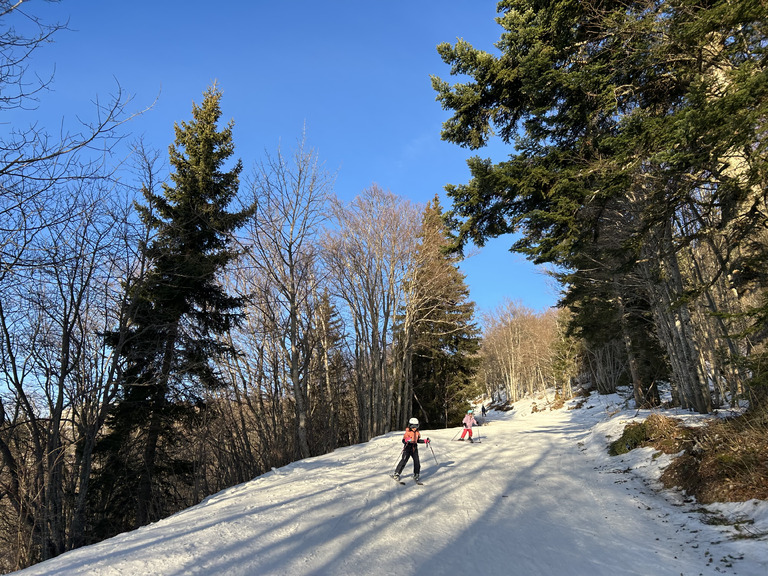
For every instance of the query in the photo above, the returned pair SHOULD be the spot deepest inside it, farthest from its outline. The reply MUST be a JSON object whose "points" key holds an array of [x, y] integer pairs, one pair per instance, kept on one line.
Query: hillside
{"points": [[538, 495]]}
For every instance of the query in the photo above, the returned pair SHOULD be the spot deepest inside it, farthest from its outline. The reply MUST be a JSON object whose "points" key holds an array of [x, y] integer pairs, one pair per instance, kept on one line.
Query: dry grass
{"points": [[723, 461], [726, 461], [558, 402], [657, 431]]}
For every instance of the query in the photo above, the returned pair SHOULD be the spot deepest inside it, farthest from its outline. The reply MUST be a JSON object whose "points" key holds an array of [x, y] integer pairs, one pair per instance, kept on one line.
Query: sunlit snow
{"points": [[537, 495]]}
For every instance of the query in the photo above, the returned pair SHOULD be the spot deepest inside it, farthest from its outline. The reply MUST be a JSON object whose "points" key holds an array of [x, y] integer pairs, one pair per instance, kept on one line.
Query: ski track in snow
{"points": [[537, 496]]}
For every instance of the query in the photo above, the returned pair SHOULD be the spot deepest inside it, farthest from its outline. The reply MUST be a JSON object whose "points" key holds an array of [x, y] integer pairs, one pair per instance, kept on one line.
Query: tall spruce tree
{"points": [[445, 339], [638, 155], [176, 310]]}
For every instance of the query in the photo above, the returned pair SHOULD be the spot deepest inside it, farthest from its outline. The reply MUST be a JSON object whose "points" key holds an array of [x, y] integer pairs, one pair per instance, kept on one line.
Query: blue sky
{"points": [[354, 75]]}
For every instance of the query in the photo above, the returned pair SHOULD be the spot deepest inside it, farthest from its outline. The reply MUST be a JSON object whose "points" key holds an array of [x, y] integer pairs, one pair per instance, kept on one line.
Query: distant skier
{"points": [[469, 421], [483, 410], [411, 440]]}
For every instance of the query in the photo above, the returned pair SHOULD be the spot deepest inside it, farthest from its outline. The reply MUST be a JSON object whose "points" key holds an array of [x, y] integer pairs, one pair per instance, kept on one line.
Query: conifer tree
{"points": [[445, 339], [639, 164], [176, 310]]}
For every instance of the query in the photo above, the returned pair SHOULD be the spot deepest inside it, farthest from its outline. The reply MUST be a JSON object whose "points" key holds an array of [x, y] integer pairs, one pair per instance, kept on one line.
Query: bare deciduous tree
{"points": [[368, 255], [519, 352], [58, 378], [291, 197]]}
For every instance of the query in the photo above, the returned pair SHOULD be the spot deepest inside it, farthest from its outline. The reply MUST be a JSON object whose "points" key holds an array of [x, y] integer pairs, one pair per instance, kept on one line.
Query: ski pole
{"points": [[399, 456], [433, 453], [457, 433]]}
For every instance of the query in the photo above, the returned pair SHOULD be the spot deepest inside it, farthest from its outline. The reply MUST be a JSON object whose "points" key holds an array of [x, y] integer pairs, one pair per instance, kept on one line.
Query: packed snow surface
{"points": [[536, 495]]}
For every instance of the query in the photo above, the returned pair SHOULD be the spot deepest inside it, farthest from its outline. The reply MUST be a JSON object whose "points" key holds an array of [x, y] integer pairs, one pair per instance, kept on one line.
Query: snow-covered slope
{"points": [[538, 495]]}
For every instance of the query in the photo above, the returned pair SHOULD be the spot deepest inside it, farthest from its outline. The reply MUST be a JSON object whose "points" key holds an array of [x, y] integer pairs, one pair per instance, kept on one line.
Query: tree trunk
{"points": [[144, 496], [675, 330]]}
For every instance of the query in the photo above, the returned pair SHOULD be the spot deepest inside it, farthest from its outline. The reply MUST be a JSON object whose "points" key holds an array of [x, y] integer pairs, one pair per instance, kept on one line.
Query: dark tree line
{"points": [[638, 169]]}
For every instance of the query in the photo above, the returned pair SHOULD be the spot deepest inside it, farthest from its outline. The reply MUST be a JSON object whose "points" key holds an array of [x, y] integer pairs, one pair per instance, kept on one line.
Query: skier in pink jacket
{"points": [[469, 421]]}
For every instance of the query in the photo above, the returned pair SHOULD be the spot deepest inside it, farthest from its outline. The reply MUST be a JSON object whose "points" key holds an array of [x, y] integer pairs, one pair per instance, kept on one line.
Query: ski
{"points": [[403, 483]]}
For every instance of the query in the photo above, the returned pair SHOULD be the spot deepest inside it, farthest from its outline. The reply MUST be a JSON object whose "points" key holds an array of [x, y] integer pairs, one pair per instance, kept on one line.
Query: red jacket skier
{"points": [[411, 441]]}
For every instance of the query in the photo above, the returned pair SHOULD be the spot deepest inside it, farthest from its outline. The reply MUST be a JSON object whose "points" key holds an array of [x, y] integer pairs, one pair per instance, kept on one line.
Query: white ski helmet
{"points": [[413, 422]]}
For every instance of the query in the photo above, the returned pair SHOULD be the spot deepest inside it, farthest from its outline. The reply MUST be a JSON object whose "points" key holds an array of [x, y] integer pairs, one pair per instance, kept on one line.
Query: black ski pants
{"points": [[409, 451]]}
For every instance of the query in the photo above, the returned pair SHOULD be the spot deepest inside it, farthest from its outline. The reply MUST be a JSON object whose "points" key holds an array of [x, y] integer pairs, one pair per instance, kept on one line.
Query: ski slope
{"points": [[538, 495]]}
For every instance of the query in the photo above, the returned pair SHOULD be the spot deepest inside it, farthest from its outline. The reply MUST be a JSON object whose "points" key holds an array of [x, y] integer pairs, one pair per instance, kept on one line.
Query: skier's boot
{"points": [[396, 476], [470, 439], [415, 477]]}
